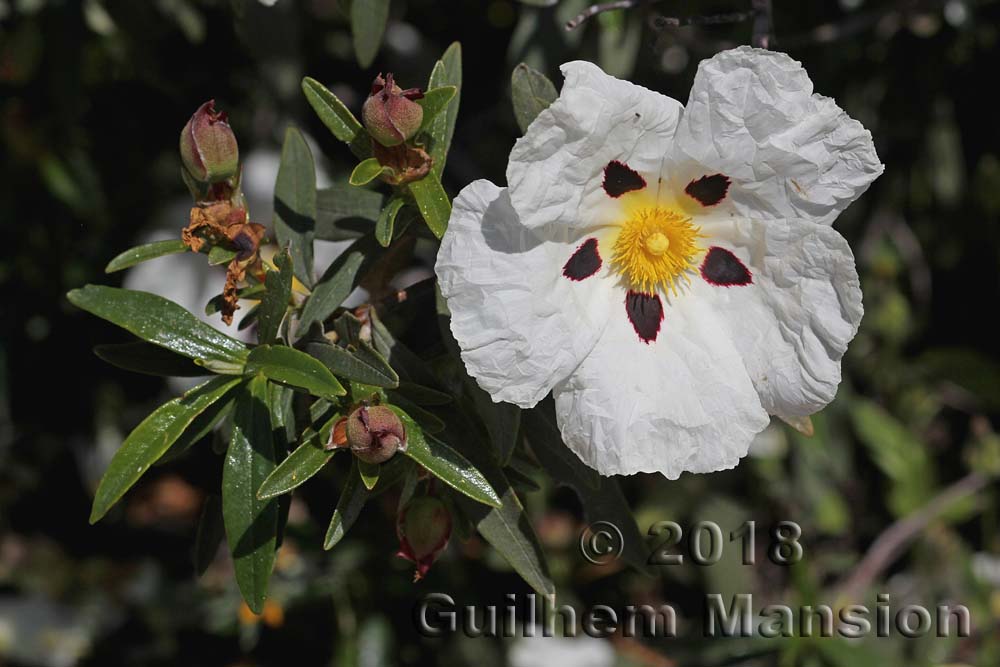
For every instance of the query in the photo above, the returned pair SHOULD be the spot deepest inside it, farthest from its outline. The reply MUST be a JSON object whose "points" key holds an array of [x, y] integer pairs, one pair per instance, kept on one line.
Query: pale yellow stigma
{"points": [[656, 247]]}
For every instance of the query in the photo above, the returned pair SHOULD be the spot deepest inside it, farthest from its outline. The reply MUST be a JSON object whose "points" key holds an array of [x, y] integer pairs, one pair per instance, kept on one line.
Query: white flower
{"points": [[668, 272]]}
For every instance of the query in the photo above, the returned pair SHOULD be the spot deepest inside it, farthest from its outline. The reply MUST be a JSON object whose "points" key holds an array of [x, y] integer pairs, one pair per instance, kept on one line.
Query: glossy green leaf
{"points": [[445, 463], [151, 439], [160, 321], [202, 426], [447, 72], [352, 500], [362, 364], [345, 212], [218, 254], [305, 461], [434, 102], [337, 117], [274, 303], [367, 171], [369, 473], [532, 93], [251, 524], [140, 357], [338, 281], [295, 204], [368, 19], [143, 253], [508, 530], [287, 365], [387, 221], [433, 202]]}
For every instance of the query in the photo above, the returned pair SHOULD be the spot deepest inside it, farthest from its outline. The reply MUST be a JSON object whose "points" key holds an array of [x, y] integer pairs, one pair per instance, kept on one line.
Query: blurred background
{"points": [[93, 94]]}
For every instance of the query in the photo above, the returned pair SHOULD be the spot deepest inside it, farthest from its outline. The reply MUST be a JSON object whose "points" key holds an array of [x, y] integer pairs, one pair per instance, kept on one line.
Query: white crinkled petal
{"points": [[793, 323], [556, 169], [681, 403], [753, 117], [521, 325]]}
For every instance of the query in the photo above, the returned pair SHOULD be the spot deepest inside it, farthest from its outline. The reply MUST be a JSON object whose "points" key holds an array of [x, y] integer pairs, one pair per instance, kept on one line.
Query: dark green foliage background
{"points": [[89, 118]]}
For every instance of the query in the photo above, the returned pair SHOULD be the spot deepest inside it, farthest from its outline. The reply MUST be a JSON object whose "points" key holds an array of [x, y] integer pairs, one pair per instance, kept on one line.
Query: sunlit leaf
{"points": [[146, 252], [295, 204]]}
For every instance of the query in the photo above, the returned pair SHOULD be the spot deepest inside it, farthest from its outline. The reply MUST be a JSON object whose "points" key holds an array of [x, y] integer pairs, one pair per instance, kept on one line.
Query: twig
{"points": [[594, 10], [763, 26], [660, 22], [889, 545]]}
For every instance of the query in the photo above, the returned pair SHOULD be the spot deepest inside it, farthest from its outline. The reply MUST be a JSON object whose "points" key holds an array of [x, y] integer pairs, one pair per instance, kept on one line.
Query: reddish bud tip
{"points": [[208, 146], [423, 528], [375, 433], [390, 114]]}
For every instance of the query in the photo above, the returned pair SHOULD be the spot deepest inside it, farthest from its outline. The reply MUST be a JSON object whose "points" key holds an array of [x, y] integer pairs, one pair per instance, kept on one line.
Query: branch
{"points": [[594, 10], [891, 543], [660, 22]]}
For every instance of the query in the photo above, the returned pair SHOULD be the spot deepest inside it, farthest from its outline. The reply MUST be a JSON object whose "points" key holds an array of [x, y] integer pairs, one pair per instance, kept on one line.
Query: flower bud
{"points": [[390, 114], [375, 433], [423, 527], [208, 146]]}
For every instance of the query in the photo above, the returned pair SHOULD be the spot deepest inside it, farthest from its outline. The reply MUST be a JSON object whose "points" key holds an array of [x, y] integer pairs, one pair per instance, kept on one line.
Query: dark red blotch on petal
{"points": [[619, 178], [645, 312], [723, 268], [709, 190], [585, 261]]}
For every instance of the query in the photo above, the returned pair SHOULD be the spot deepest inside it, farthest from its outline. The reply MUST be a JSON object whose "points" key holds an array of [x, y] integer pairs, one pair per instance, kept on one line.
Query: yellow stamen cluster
{"points": [[656, 247]]}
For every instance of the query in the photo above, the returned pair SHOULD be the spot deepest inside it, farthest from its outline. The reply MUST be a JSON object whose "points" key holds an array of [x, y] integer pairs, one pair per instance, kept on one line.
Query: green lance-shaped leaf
{"points": [[362, 364], [218, 254], [305, 461], [532, 93], [345, 212], [445, 463], [295, 203], [369, 473], [338, 281], [337, 117], [287, 365], [202, 426], [163, 323], [508, 529], [367, 171], [434, 102], [387, 221], [352, 500], [433, 202], [151, 439], [368, 19], [142, 253], [447, 72], [274, 304], [251, 523], [140, 357]]}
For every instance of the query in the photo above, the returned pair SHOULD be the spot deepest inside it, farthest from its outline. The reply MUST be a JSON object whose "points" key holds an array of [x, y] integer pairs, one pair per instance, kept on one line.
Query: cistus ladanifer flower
{"points": [[423, 528], [375, 433], [208, 146], [390, 114], [668, 272]]}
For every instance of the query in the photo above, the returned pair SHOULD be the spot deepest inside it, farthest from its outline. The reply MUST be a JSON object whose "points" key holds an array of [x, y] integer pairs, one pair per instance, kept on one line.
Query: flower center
{"points": [[655, 248]]}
